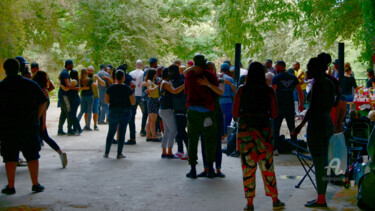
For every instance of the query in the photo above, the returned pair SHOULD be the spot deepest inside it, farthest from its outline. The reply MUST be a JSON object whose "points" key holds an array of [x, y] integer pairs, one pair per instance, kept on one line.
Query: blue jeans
{"points": [[87, 105], [103, 110], [227, 110], [96, 105], [142, 104], [118, 117], [74, 104]]}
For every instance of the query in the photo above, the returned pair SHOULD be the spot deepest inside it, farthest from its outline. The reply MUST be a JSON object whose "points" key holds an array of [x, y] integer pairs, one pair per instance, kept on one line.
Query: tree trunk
{"points": [[2, 71]]}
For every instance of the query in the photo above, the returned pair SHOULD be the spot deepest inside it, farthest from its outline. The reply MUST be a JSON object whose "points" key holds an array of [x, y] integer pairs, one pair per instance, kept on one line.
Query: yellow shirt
{"points": [[302, 79], [95, 91], [155, 93]]}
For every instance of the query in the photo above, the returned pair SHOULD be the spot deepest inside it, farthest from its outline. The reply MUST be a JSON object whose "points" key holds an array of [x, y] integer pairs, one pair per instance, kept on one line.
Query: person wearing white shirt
{"points": [[137, 75]]}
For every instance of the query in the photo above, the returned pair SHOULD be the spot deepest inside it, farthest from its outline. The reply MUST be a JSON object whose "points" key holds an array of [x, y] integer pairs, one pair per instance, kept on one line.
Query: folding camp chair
{"points": [[305, 160], [357, 140]]}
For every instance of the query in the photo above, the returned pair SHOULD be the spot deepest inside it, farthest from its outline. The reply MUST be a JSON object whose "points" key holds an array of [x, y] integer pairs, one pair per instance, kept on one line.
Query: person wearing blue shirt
{"points": [[104, 75], [226, 99]]}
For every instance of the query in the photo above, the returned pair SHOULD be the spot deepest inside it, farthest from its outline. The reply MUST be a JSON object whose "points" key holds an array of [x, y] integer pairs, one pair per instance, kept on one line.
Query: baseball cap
{"points": [[152, 60], [225, 66], [34, 65], [336, 61], [21, 60]]}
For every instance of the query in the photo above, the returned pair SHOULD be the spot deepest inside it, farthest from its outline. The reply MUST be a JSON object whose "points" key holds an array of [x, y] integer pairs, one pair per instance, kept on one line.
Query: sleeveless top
{"points": [[166, 99], [155, 93], [255, 106]]}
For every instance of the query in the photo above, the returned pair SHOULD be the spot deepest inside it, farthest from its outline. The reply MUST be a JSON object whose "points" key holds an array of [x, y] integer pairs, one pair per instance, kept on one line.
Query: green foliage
{"points": [[251, 22], [92, 32], [12, 38]]}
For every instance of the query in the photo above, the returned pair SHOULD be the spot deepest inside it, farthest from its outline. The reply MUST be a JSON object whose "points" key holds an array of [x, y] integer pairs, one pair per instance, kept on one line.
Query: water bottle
{"points": [[358, 172]]}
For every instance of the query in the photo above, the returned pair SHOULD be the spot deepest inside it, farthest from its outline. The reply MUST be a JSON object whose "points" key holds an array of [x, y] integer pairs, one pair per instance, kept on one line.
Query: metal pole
{"points": [[237, 63], [341, 63]]}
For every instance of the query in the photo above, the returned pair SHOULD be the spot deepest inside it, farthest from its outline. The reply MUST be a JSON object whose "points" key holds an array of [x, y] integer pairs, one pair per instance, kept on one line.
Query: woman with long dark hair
{"points": [[152, 105], [370, 83], [179, 110], [41, 78], [166, 112], [320, 127], [75, 101], [255, 104], [87, 98], [348, 83]]}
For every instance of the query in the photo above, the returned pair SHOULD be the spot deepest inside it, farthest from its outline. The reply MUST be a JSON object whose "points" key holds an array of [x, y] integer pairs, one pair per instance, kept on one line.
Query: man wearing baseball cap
{"points": [[23, 64], [34, 69], [63, 97]]}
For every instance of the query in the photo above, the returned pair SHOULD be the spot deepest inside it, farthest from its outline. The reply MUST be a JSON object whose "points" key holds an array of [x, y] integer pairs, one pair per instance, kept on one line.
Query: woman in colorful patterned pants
{"points": [[254, 104]]}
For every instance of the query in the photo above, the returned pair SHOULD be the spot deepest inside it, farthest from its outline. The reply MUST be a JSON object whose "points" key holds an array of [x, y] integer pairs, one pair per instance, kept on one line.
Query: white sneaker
{"points": [[64, 159], [179, 154]]}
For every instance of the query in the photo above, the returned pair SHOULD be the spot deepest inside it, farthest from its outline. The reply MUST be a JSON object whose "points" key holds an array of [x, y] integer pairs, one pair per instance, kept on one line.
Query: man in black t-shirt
{"points": [[63, 96], [21, 106], [284, 85]]}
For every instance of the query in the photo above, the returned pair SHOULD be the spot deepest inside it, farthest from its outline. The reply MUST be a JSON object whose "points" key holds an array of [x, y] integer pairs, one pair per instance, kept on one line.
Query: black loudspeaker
{"points": [[237, 63], [341, 61]]}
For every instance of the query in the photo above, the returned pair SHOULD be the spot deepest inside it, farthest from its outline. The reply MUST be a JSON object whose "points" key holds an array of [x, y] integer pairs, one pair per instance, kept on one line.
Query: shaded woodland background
{"points": [[92, 32]]}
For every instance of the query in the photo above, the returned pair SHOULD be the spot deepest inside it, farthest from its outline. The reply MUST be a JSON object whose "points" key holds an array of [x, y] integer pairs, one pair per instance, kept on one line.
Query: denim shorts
{"points": [[96, 105]]}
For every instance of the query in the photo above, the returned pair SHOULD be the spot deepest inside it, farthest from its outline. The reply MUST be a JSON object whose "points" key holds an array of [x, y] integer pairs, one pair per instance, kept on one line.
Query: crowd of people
{"points": [[184, 103]]}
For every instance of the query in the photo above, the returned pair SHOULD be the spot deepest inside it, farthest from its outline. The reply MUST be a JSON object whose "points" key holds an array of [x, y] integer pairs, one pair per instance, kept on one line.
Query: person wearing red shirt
{"points": [[200, 114]]}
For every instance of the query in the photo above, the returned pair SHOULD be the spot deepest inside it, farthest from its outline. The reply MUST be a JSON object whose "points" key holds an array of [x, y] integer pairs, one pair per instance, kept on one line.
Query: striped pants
{"points": [[256, 148]]}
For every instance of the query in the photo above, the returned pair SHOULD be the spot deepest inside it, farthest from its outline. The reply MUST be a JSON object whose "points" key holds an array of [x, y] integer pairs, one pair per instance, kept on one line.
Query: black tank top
{"points": [[255, 107], [166, 99]]}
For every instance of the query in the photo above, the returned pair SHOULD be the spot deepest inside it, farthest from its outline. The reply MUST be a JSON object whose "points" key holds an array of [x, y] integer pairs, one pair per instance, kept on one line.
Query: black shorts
{"points": [[14, 142], [153, 105]]}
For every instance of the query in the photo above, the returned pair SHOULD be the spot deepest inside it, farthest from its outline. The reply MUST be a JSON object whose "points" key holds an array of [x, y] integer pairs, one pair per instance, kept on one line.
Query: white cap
{"points": [[139, 62]]}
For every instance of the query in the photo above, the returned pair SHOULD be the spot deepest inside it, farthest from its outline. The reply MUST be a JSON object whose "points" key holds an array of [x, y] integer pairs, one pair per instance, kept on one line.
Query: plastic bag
{"points": [[337, 151]]}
